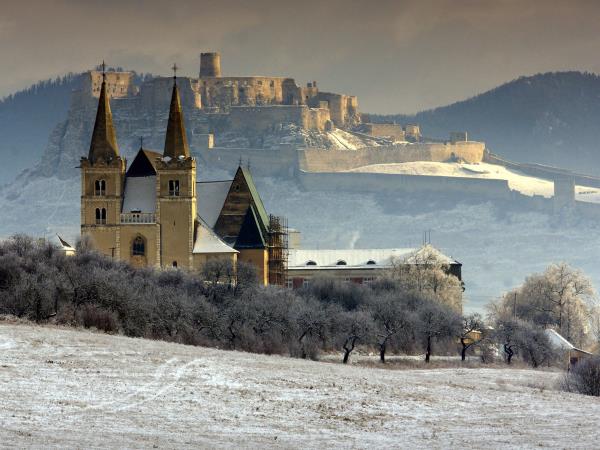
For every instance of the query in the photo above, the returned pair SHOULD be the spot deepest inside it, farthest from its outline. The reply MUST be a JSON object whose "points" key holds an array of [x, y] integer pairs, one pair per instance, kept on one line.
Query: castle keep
{"points": [[155, 213]]}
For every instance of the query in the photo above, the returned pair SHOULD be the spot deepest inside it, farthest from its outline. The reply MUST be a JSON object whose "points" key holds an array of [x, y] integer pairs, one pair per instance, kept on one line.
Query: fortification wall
{"points": [[392, 183], [156, 94], [384, 130], [223, 92], [319, 160], [118, 84], [258, 119]]}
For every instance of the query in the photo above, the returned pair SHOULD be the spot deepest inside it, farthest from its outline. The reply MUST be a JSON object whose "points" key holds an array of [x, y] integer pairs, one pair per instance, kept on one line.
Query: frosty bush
{"points": [[584, 377]]}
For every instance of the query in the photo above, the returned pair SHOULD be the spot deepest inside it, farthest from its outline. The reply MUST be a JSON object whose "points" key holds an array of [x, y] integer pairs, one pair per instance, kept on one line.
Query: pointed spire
{"points": [[176, 144], [104, 139]]}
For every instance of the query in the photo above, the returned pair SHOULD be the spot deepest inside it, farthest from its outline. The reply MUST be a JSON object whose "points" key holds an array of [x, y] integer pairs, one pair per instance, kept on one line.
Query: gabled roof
{"points": [[144, 164], [260, 207], [176, 144], [250, 235], [207, 242], [104, 139], [210, 197], [140, 194]]}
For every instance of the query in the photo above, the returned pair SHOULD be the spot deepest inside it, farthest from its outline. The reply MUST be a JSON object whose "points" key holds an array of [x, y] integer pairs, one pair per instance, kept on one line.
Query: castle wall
{"points": [[118, 84], [156, 94], [258, 119], [384, 130], [319, 160], [223, 92]]}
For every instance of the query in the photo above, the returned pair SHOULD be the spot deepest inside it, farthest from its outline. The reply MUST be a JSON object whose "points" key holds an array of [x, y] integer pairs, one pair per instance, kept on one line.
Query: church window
{"points": [[174, 188], [100, 187], [174, 263], [100, 216], [139, 246]]}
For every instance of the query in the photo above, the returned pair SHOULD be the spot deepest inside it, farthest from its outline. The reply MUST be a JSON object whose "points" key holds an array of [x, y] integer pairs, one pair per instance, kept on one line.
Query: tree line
{"points": [[414, 309]]}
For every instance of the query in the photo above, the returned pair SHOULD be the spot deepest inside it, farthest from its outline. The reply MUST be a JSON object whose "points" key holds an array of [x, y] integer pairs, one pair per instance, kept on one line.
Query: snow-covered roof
{"points": [[557, 340], [211, 197], [208, 242], [140, 194], [373, 258]]}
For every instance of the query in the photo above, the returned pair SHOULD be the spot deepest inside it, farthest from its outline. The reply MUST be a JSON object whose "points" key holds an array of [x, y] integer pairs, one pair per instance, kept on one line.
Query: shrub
{"points": [[584, 377]]}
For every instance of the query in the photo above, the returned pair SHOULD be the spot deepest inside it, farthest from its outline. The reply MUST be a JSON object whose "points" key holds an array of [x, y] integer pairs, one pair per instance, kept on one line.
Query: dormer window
{"points": [[371, 262], [174, 188], [100, 188], [311, 263], [341, 262]]}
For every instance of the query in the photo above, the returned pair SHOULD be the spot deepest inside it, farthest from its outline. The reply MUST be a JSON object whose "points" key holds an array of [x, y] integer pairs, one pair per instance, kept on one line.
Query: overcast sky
{"points": [[396, 55]]}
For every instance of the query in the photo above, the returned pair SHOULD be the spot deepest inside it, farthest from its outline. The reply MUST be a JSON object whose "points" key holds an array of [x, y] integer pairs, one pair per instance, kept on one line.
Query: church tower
{"points": [[102, 177], [176, 190]]}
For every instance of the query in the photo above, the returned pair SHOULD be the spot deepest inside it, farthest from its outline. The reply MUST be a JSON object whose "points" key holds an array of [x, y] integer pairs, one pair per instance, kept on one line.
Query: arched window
{"points": [[341, 262], [174, 263], [371, 262], [139, 246], [100, 216], [311, 263], [174, 188], [100, 187]]}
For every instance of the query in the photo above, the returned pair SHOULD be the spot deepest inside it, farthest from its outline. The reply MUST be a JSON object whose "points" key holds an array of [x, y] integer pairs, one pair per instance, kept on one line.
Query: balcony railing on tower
{"points": [[140, 217]]}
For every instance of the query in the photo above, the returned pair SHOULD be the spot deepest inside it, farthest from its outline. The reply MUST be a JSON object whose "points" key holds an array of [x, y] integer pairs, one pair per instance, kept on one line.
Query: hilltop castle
{"points": [[155, 213], [243, 102]]}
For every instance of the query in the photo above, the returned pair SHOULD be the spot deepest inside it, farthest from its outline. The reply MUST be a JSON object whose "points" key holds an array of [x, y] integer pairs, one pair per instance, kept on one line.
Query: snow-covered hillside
{"points": [[517, 181], [67, 388]]}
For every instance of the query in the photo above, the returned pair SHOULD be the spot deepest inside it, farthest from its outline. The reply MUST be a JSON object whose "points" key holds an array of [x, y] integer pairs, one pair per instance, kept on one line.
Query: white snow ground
{"points": [[517, 181], [76, 389]]}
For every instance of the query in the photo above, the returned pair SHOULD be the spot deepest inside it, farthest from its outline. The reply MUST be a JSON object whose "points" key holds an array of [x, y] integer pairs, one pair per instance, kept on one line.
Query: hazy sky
{"points": [[397, 56]]}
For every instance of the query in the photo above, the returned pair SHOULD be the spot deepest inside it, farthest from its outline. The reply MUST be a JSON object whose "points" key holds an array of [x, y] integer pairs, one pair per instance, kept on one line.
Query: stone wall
{"points": [[385, 130], [223, 92], [118, 84], [258, 119], [319, 160]]}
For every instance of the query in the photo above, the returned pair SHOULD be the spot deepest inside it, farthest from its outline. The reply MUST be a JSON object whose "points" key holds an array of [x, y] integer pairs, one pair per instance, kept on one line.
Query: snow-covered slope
{"points": [[67, 388], [517, 181]]}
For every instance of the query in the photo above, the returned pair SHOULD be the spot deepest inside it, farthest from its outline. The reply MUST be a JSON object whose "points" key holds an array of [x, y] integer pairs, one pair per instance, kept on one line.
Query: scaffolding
{"points": [[278, 250]]}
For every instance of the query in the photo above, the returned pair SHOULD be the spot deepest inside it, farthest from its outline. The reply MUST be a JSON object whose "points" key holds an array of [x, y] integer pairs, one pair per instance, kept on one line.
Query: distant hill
{"points": [[26, 120], [550, 118]]}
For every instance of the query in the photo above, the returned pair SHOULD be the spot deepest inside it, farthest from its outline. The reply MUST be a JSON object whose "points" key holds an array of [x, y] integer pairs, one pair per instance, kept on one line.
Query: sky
{"points": [[397, 56]]}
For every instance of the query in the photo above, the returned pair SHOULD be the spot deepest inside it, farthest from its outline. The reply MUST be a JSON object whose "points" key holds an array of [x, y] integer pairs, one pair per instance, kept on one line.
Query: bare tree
{"points": [[355, 327], [472, 328], [436, 322]]}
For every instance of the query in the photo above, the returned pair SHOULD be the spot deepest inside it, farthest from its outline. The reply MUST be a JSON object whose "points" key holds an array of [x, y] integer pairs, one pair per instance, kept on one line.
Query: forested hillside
{"points": [[27, 119]]}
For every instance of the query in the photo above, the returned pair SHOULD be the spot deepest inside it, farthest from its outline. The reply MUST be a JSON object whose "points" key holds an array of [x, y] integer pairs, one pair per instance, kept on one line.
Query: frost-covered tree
{"points": [[560, 297]]}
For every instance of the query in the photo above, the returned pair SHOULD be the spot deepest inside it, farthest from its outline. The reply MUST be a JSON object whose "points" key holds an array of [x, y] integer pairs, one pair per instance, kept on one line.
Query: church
{"points": [[155, 213]]}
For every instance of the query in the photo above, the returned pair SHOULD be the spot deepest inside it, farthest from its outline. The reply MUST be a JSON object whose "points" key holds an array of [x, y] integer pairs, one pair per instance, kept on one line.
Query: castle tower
{"points": [[102, 176], [176, 191], [210, 65]]}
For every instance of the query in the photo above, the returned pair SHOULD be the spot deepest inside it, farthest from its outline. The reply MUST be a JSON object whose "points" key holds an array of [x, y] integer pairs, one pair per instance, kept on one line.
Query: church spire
{"points": [[104, 139], [176, 144]]}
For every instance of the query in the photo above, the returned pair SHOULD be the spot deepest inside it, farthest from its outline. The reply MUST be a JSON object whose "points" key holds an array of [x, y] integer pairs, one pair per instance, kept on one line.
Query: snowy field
{"points": [[68, 388], [517, 181]]}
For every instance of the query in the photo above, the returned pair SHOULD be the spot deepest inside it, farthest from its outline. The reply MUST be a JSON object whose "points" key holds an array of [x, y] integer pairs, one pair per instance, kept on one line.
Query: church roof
{"points": [[104, 139], [176, 144], [251, 235], [260, 207], [211, 196], [144, 164], [208, 242], [140, 194]]}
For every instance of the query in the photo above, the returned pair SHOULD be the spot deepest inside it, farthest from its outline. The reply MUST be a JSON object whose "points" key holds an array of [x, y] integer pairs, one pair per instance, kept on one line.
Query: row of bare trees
{"points": [[413, 310]]}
